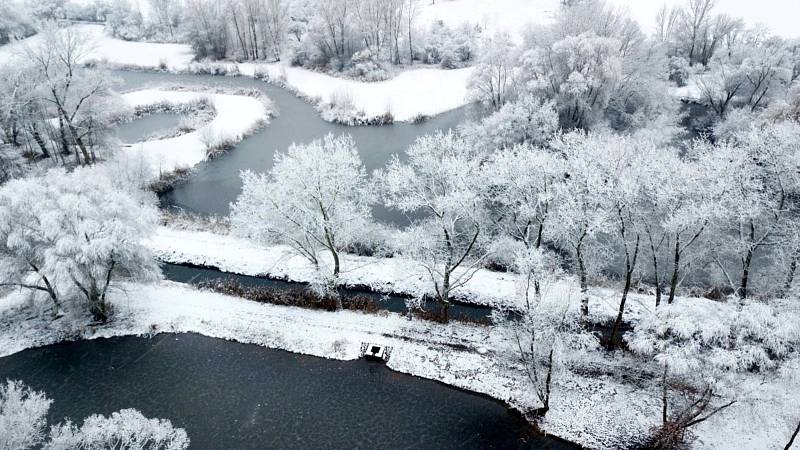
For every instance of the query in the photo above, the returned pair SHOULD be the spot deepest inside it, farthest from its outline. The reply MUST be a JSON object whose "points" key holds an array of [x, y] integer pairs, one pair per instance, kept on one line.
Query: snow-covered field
{"points": [[116, 51], [236, 116]]}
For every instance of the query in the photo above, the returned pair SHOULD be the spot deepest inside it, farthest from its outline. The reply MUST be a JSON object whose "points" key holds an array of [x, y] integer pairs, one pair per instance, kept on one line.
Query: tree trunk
{"points": [[445, 296], [676, 264], [584, 288], [746, 262], [794, 436], [39, 141], [612, 344], [664, 397], [63, 135]]}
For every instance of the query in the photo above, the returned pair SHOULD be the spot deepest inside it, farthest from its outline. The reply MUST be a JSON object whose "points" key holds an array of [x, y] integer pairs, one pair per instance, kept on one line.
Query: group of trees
{"points": [[51, 106], [361, 37], [593, 64], [23, 422], [613, 206]]}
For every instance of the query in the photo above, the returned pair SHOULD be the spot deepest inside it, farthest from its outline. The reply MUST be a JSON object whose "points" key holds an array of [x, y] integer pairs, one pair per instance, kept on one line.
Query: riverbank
{"points": [[608, 401]]}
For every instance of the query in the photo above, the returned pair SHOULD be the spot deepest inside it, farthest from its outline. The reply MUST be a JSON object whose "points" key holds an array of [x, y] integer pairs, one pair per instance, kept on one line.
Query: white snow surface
{"points": [[236, 116], [413, 92], [116, 51]]}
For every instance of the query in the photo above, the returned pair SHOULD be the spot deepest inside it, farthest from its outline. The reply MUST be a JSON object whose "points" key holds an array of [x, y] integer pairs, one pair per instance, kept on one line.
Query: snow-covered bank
{"points": [[244, 257], [412, 93], [236, 116], [606, 406], [388, 275]]}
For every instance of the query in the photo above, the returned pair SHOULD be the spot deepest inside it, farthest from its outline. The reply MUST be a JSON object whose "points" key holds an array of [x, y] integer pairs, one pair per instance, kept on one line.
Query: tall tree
{"points": [[315, 198]]}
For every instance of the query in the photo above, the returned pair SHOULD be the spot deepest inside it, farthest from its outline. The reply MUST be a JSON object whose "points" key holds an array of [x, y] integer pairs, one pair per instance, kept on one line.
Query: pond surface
{"points": [[234, 396], [215, 184], [394, 303], [140, 129]]}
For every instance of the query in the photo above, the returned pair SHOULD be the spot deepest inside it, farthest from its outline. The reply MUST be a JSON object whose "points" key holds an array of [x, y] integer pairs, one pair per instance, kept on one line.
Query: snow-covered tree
{"points": [[74, 235], [582, 211], [315, 198], [549, 336], [494, 80], [23, 416], [73, 95], [578, 73], [527, 120], [761, 171], [698, 345], [440, 183], [523, 181], [127, 429]]}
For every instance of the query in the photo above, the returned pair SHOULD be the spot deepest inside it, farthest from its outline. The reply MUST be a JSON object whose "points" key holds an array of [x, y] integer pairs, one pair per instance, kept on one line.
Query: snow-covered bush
{"points": [[449, 48], [679, 70], [23, 416], [691, 335], [369, 64]]}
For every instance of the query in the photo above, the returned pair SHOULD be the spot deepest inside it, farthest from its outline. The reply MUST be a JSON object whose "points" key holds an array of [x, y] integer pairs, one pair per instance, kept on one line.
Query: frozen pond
{"points": [[215, 184], [231, 395]]}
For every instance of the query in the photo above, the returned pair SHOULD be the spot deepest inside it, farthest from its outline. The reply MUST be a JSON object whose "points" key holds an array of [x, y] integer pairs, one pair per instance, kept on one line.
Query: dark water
{"points": [[138, 130], [235, 396], [215, 184], [393, 303]]}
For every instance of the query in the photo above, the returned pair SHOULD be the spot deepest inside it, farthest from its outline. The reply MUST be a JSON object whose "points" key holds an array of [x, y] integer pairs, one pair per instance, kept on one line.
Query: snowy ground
{"points": [[116, 51], [236, 116], [605, 405]]}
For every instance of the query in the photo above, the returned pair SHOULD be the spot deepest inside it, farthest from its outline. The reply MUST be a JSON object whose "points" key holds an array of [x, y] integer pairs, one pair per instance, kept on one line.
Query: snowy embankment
{"points": [[605, 405], [236, 116]]}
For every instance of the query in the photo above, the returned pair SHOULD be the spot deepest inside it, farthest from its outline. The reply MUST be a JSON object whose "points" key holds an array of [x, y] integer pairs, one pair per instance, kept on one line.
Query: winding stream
{"points": [[235, 396], [215, 184]]}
